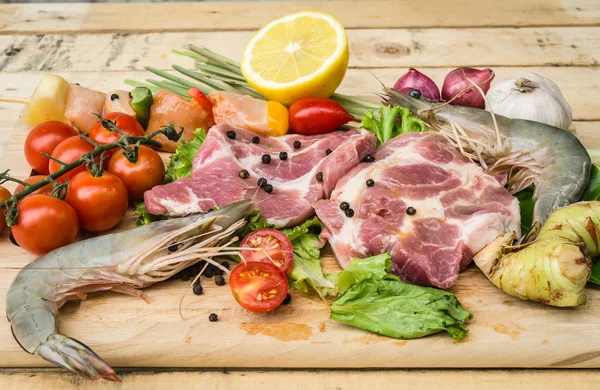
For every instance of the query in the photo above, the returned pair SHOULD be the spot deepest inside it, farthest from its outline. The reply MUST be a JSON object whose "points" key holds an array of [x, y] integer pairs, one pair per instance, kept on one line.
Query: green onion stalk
{"points": [[213, 72]]}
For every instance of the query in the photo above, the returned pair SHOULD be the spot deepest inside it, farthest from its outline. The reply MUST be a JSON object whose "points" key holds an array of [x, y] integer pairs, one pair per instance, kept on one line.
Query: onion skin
{"points": [[414, 79], [456, 83]]}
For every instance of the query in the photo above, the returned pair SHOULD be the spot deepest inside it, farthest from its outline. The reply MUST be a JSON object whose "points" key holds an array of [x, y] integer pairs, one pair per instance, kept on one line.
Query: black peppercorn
{"points": [[213, 317], [265, 159], [297, 144], [230, 134], [209, 272], [262, 182], [344, 206], [244, 174], [255, 139], [186, 274], [197, 288], [210, 210], [114, 96], [268, 188], [287, 299], [130, 96], [283, 156], [218, 271], [411, 211], [225, 265], [327, 152], [349, 213], [320, 176], [370, 183], [219, 280], [415, 93], [172, 248], [369, 158]]}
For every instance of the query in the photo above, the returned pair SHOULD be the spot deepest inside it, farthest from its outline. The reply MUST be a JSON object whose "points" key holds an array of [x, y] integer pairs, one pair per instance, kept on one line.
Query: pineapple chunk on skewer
{"points": [[48, 101]]}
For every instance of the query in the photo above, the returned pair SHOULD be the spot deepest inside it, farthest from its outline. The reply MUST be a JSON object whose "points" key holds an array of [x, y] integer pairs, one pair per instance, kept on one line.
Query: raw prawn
{"points": [[123, 262], [555, 267], [530, 152]]}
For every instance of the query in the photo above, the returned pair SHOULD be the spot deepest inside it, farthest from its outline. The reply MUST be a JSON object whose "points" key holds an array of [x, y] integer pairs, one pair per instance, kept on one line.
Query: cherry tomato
{"points": [[45, 223], [46, 190], [310, 116], [128, 125], [43, 139], [258, 286], [100, 202], [148, 171], [68, 151], [4, 194], [201, 99], [276, 245]]}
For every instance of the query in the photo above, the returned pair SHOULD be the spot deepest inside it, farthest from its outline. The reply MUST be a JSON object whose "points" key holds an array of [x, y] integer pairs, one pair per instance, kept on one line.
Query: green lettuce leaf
{"points": [[390, 122], [143, 216], [181, 160], [592, 191], [307, 271], [392, 308], [360, 269]]}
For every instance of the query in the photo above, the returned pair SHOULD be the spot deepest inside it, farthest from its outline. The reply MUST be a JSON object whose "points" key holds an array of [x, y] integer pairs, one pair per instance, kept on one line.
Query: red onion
{"points": [[456, 82], [417, 80]]}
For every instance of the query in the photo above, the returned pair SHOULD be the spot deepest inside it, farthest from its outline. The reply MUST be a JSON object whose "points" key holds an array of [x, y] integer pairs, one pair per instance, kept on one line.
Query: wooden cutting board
{"points": [[127, 332]]}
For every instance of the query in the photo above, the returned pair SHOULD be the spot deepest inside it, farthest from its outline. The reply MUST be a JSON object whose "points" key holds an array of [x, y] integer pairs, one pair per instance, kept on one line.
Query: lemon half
{"points": [[299, 55]]}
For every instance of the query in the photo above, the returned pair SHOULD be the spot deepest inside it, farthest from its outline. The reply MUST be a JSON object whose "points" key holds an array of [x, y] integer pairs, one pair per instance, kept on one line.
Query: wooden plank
{"points": [[335, 379], [55, 18], [548, 46], [575, 84]]}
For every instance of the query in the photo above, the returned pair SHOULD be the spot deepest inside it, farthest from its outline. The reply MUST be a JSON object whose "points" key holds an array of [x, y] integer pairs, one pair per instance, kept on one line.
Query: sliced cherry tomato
{"points": [[45, 223], [100, 202], [68, 151], [275, 245], [46, 190], [317, 115], [4, 194], [140, 176], [201, 99], [128, 125], [43, 139], [258, 286]]}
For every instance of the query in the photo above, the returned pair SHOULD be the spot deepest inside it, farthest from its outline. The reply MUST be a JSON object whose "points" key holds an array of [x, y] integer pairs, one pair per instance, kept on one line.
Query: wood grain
{"points": [[227, 16], [377, 48], [310, 379]]}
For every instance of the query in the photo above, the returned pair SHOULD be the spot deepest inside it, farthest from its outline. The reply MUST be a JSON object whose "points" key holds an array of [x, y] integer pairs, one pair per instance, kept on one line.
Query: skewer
{"points": [[8, 99]]}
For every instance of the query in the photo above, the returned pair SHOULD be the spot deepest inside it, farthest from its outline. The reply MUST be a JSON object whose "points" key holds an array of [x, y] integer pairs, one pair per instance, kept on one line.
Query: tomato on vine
{"points": [[68, 151], [43, 139], [103, 131], [140, 169]]}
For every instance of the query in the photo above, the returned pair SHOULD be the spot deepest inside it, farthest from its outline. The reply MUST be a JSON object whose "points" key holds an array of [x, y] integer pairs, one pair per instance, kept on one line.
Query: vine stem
{"points": [[169, 131]]}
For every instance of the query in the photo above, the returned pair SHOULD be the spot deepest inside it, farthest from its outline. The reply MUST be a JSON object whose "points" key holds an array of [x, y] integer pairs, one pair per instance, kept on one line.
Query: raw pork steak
{"points": [[459, 210], [217, 180]]}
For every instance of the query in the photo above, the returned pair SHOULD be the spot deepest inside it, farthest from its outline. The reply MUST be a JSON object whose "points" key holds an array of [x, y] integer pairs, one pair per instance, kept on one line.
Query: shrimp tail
{"points": [[76, 357]]}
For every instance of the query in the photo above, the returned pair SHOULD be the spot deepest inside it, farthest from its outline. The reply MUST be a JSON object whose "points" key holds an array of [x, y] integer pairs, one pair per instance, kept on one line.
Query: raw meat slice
{"points": [[459, 210], [83, 104], [168, 108], [216, 179]]}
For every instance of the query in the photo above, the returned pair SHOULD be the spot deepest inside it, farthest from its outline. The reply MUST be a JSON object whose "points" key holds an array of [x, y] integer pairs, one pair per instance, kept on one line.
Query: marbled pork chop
{"points": [[458, 209], [299, 177]]}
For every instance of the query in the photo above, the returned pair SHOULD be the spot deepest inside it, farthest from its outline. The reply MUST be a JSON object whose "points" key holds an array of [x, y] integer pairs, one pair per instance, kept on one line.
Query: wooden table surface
{"points": [[100, 45]]}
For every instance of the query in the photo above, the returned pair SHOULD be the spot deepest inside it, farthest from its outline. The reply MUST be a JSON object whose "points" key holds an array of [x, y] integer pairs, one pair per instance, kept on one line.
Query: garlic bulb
{"points": [[531, 97]]}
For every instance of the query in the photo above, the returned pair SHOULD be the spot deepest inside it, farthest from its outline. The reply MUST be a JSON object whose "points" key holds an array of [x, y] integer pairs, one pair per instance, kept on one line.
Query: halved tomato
{"points": [[275, 245], [258, 286]]}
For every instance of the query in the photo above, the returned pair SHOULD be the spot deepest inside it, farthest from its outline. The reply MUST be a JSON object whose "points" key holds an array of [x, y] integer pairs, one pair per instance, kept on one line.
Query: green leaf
{"points": [[181, 161], [393, 308], [526, 204], [595, 276], [144, 216], [307, 271], [592, 191], [360, 269], [390, 122]]}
